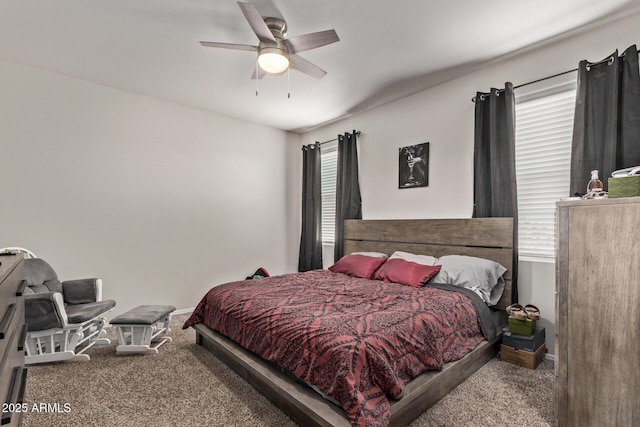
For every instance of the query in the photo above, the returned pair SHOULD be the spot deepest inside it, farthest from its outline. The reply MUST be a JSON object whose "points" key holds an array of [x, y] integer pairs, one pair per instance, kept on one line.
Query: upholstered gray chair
{"points": [[64, 319]]}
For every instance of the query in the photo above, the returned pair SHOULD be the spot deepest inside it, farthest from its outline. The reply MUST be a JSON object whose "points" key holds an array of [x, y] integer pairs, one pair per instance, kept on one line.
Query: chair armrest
{"points": [[44, 310], [82, 291]]}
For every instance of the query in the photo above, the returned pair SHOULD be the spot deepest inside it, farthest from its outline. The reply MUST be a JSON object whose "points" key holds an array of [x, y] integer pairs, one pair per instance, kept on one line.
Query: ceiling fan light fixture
{"points": [[274, 48], [273, 60]]}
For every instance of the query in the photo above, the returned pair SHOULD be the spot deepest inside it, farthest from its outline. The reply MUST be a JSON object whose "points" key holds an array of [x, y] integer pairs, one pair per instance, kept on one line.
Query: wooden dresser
{"points": [[13, 375], [598, 312]]}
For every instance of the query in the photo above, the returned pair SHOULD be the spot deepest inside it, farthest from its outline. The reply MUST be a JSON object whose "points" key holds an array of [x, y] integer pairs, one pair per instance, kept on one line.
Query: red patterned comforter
{"points": [[359, 341]]}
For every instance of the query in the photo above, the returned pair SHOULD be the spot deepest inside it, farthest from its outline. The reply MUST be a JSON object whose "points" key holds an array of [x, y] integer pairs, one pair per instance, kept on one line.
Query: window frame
{"points": [[328, 153], [538, 92]]}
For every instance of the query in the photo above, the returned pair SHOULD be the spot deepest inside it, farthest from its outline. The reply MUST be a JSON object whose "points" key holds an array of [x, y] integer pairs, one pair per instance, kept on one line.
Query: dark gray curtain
{"points": [[606, 130], [494, 164], [310, 257], [348, 200]]}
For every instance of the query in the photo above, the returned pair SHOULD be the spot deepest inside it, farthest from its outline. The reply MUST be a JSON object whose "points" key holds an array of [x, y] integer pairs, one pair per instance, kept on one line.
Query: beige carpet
{"points": [[185, 385]]}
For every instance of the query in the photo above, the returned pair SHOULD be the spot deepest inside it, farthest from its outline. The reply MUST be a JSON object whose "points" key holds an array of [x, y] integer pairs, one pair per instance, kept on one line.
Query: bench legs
{"points": [[143, 339]]}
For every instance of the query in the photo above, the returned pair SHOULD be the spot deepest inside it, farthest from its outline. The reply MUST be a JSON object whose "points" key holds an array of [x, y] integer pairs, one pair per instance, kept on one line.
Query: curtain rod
{"points": [[335, 139], [607, 59], [536, 81]]}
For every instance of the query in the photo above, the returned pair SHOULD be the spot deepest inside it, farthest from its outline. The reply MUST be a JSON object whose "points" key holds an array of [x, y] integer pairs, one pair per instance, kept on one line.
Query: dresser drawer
{"points": [[8, 268], [13, 376], [12, 373], [14, 331], [12, 403], [7, 297], [11, 281], [11, 300]]}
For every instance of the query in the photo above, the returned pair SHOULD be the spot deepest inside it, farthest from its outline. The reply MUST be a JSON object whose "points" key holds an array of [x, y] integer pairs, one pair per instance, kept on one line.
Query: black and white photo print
{"points": [[414, 166]]}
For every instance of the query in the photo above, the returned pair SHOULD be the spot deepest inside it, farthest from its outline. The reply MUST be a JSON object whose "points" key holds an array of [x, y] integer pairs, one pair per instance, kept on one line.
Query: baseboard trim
{"points": [[183, 311]]}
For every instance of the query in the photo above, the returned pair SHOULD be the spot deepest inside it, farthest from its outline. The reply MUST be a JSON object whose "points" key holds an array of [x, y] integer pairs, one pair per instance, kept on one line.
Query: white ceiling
{"points": [[388, 48]]}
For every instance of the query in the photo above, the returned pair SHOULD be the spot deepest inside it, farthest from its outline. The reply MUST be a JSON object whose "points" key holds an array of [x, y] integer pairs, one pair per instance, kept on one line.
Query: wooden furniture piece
{"points": [[490, 238], [144, 324], [598, 312], [13, 375]]}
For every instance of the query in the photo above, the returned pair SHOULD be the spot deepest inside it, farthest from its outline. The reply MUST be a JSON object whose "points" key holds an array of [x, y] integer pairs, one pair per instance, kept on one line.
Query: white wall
{"points": [[444, 116], [159, 200]]}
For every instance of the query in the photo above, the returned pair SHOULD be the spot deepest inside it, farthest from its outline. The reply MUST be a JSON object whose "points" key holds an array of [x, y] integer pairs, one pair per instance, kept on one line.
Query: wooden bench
{"points": [[138, 328]]}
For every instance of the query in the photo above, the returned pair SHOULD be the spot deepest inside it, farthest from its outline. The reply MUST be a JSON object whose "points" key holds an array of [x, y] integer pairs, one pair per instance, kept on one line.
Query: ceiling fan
{"points": [[276, 53]]}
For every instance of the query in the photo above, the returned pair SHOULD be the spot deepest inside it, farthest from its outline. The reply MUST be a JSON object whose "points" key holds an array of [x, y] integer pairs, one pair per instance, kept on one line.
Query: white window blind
{"points": [[544, 128], [329, 171]]}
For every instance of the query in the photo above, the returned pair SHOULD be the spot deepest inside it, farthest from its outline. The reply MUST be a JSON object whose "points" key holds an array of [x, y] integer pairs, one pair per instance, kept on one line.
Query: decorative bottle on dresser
{"points": [[595, 185]]}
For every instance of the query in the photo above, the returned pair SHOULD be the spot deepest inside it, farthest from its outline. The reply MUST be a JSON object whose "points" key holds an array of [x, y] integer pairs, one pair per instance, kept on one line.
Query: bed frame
{"points": [[490, 238]]}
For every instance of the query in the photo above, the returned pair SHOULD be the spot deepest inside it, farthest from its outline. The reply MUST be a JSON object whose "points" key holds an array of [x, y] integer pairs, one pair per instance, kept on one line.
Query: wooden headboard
{"points": [[489, 238]]}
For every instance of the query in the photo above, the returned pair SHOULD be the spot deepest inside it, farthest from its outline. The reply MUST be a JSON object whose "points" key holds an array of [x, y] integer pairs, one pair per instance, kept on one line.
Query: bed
{"points": [[487, 238]]}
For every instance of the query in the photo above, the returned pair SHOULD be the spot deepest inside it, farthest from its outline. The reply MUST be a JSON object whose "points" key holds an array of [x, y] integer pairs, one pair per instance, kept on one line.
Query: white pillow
{"points": [[482, 276], [418, 259], [371, 254]]}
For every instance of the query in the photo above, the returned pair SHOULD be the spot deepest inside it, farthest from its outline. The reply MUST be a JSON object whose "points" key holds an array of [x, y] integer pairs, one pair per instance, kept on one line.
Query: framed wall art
{"points": [[413, 165]]}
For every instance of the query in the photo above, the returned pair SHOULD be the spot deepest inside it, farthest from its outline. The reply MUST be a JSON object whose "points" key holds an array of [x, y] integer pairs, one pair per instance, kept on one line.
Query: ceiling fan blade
{"points": [[257, 23], [305, 42], [258, 73], [306, 67], [231, 46]]}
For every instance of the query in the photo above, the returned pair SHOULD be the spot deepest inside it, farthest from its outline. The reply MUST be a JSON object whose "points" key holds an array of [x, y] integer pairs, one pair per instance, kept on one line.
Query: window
{"points": [[329, 171], [544, 128]]}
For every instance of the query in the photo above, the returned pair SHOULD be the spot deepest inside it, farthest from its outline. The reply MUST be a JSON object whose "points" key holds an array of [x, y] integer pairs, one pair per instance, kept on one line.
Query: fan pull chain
{"points": [[289, 83], [257, 77]]}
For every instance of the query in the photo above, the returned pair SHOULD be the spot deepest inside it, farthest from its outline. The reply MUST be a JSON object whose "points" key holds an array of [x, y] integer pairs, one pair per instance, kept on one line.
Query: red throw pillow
{"points": [[408, 273], [357, 265]]}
